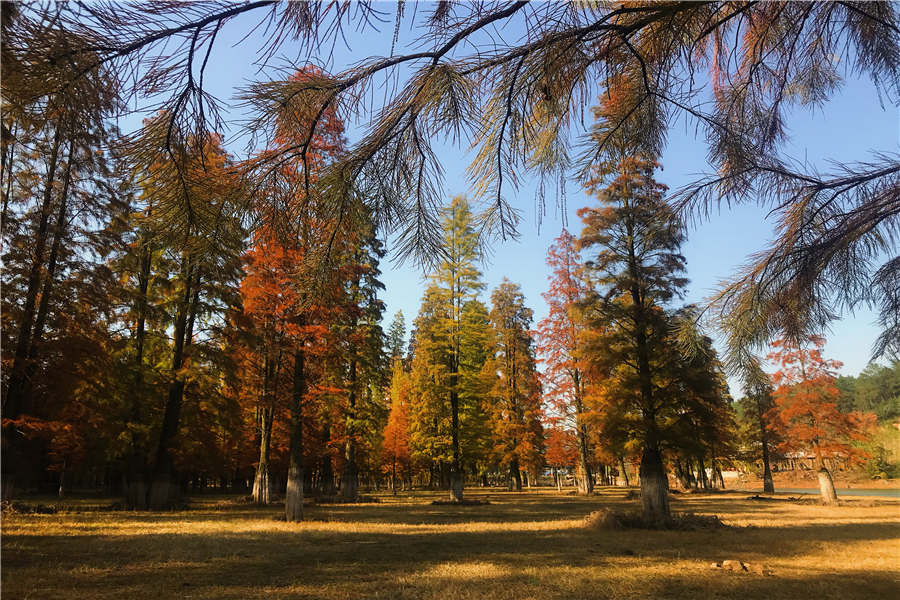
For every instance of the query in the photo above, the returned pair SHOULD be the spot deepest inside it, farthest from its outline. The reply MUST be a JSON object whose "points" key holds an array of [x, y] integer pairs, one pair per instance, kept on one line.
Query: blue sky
{"points": [[849, 128]]}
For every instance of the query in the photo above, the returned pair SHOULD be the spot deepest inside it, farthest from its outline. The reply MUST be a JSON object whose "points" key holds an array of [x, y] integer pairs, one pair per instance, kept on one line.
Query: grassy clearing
{"points": [[520, 546]]}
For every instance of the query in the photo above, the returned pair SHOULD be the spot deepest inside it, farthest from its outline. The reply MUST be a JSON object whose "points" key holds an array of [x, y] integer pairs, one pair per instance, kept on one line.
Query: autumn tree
{"points": [[287, 207], [395, 446], [514, 396], [558, 339], [561, 451], [270, 302], [632, 241], [806, 413]]}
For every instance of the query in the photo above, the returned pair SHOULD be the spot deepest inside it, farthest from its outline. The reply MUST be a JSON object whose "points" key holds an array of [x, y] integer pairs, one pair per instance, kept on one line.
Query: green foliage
{"points": [[876, 389], [396, 335]]}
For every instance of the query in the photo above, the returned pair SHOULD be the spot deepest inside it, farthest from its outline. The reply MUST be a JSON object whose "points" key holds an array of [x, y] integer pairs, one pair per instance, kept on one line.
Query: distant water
{"points": [[886, 493]]}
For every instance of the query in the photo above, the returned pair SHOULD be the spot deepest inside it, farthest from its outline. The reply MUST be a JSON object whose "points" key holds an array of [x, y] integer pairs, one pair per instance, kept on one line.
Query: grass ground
{"points": [[520, 546]]}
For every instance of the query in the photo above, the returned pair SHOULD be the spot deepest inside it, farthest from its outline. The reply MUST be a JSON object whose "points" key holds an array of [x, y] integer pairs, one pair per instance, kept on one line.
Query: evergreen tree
{"points": [[457, 281], [515, 391], [754, 408], [363, 353], [474, 419], [430, 420], [396, 337], [633, 242]]}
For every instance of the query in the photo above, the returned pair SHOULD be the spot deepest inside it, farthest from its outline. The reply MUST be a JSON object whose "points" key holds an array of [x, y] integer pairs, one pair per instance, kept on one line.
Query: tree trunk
{"points": [[826, 486], [136, 463], [654, 488], [456, 474], [40, 321], [515, 474], [262, 488], [701, 472], [164, 492], [624, 472], [61, 493], [718, 475], [326, 472], [583, 475], [350, 475], [7, 177], [679, 473], [293, 500], [394, 477], [13, 404], [768, 482]]}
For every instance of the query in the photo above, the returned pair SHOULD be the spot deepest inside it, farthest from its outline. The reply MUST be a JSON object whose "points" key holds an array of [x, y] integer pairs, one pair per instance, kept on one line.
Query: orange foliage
{"points": [[561, 447], [805, 412]]}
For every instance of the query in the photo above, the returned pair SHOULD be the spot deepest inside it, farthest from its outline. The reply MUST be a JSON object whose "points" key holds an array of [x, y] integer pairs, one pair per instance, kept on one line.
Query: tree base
{"points": [[826, 487], [654, 488]]}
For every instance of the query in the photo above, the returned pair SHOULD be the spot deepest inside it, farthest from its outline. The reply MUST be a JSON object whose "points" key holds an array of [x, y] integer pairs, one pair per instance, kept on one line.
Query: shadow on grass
{"points": [[332, 557]]}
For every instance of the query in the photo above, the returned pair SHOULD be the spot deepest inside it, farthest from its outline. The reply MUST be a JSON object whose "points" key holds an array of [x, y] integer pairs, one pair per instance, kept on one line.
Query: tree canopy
{"points": [[734, 70]]}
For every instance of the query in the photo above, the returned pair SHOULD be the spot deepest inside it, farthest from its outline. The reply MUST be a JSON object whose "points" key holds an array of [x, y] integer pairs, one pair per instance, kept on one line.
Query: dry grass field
{"points": [[520, 546]]}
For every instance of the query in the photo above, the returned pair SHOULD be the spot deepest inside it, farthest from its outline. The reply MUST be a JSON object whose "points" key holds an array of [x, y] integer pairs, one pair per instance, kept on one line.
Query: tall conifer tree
{"points": [[633, 241]]}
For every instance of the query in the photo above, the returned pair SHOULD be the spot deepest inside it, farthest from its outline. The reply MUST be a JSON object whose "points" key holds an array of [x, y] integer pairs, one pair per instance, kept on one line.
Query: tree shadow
{"points": [[517, 549]]}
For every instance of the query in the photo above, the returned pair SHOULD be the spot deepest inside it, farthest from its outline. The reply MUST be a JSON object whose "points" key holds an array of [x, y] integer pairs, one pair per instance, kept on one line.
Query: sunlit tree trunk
{"points": [[262, 487], [826, 483], [654, 487], [583, 474]]}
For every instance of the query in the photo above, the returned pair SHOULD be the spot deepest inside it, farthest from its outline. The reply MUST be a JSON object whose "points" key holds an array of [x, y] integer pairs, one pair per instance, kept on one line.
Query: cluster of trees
{"points": [[173, 314], [159, 339], [807, 410], [466, 398]]}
